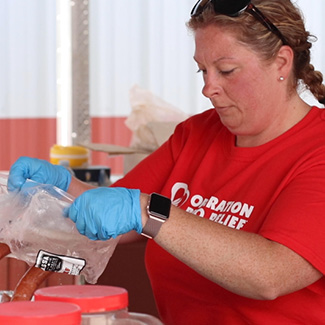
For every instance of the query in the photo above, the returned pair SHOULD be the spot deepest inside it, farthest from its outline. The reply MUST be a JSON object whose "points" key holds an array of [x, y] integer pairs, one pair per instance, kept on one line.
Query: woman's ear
{"points": [[284, 61]]}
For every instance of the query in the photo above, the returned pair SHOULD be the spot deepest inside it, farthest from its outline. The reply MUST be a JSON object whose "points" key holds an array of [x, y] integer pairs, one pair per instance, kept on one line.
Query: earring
{"points": [[281, 78]]}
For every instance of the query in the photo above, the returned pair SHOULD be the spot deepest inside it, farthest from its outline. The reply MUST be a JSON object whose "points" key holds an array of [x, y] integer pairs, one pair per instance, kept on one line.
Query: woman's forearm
{"points": [[77, 187], [244, 263]]}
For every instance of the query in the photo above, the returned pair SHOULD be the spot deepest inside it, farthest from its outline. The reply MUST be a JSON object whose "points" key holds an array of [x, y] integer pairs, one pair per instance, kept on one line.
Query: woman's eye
{"points": [[222, 72], [227, 72]]}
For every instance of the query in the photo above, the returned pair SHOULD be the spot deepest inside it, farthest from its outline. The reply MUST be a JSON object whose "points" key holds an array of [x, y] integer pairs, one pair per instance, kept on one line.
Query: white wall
{"points": [[27, 58], [142, 42], [313, 11], [148, 45]]}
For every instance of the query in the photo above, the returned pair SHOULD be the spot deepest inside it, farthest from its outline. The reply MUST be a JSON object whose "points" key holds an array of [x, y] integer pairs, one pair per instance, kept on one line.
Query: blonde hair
{"points": [[289, 20]]}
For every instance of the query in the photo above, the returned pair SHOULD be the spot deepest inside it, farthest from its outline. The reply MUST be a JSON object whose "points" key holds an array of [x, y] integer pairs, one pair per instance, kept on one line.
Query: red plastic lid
{"points": [[39, 313], [90, 298]]}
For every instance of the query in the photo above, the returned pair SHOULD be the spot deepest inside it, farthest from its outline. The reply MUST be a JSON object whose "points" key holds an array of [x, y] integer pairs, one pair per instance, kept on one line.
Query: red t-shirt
{"points": [[276, 190]]}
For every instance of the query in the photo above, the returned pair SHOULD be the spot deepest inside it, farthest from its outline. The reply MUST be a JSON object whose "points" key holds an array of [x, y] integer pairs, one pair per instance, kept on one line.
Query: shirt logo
{"points": [[180, 194], [233, 214]]}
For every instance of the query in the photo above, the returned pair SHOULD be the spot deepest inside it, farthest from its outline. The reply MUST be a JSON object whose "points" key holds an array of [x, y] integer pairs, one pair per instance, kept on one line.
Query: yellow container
{"points": [[69, 156]]}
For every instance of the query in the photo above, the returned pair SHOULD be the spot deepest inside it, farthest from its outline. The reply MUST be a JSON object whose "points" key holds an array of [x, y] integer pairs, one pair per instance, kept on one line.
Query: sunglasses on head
{"points": [[234, 8]]}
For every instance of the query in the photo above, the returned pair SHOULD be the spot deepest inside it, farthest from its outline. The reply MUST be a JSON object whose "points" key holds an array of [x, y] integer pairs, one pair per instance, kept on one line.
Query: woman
{"points": [[244, 241]]}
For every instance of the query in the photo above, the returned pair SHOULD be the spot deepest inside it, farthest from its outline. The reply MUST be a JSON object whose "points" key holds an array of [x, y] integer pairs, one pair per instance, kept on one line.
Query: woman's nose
{"points": [[212, 86]]}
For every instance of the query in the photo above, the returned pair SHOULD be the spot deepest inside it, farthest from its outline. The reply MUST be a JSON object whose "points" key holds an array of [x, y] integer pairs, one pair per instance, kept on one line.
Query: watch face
{"points": [[159, 205]]}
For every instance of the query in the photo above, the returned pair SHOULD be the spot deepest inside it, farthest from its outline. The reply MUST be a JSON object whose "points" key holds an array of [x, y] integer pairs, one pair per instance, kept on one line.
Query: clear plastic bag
{"points": [[33, 226]]}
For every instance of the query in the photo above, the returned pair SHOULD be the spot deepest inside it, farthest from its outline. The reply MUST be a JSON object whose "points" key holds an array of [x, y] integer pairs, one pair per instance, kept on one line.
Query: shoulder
{"points": [[317, 113], [314, 124]]}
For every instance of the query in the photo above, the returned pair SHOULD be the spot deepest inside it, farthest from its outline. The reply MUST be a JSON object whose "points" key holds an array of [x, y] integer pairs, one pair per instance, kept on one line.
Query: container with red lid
{"points": [[39, 313], [99, 304]]}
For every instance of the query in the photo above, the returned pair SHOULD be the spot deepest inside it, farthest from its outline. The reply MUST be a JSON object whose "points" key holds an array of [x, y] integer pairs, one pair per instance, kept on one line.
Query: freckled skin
{"points": [[246, 92]]}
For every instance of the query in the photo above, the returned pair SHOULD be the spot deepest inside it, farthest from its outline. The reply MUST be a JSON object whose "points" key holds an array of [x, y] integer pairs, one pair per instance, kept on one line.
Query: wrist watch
{"points": [[158, 212]]}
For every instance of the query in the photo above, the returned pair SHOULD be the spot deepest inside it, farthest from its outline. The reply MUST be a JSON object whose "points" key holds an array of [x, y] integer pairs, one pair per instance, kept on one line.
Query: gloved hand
{"points": [[106, 212], [40, 171]]}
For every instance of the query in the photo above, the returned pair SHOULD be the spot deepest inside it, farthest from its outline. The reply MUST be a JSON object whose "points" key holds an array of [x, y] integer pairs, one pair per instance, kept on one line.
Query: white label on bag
{"points": [[59, 263]]}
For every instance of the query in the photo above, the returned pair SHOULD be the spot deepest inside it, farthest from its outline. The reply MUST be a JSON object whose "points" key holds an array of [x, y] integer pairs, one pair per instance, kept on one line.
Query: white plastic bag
{"points": [[33, 226], [150, 114]]}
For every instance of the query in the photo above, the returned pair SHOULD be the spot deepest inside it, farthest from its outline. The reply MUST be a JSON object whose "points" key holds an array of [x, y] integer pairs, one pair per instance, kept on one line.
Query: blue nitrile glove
{"points": [[106, 212], [40, 171]]}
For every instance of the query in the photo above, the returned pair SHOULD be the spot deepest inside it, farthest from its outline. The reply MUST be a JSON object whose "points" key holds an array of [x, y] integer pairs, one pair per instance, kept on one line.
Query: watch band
{"points": [[152, 227]]}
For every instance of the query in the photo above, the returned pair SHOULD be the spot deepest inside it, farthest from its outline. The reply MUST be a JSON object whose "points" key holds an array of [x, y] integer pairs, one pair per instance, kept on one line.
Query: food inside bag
{"points": [[32, 224]]}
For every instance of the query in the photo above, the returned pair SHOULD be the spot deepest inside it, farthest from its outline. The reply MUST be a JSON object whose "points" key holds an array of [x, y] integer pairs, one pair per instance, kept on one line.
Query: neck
{"points": [[292, 113]]}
